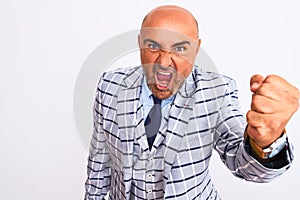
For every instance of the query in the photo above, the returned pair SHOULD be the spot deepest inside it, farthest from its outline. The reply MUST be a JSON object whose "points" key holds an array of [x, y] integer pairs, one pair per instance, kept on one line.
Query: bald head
{"points": [[173, 18]]}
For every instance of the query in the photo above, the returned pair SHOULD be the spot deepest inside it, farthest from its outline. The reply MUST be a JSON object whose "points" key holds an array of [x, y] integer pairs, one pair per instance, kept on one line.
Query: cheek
{"points": [[148, 57], [183, 67], [189, 59]]}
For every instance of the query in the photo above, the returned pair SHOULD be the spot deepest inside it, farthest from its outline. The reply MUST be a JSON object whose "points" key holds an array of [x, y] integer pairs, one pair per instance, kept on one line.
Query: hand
{"points": [[274, 101]]}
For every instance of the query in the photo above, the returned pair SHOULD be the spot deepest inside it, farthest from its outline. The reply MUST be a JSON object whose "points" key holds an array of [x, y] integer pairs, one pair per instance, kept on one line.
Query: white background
{"points": [[43, 45]]}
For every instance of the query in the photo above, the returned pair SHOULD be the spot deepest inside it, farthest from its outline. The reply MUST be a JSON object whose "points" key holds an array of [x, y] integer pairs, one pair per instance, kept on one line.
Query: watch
{"points": [[275, 147], [270, 151]]}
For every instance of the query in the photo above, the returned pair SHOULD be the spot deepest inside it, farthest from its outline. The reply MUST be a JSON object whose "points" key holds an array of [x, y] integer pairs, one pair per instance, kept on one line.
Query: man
{"points": [[155, 126]]}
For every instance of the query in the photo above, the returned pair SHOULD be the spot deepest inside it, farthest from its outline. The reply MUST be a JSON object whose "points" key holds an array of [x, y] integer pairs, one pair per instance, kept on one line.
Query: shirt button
{"points": [[151, 159], [150, 191], [149, 175]]}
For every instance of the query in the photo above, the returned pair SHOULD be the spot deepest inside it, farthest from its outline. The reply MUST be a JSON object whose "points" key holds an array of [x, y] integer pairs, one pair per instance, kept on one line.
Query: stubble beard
{"points": [[175, 84]]}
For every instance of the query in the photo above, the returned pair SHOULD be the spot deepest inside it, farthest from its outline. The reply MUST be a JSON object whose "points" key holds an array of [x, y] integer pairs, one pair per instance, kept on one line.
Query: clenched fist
{"points": [[274, 101]]}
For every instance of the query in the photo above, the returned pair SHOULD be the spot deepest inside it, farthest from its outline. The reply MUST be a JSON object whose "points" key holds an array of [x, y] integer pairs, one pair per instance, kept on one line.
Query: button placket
{"points": [[149, 178]]}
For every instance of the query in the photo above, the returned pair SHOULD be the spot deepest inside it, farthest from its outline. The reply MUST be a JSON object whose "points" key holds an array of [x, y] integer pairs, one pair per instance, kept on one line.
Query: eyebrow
{"points": [[174, 45], [152, 41], [181, 43]]}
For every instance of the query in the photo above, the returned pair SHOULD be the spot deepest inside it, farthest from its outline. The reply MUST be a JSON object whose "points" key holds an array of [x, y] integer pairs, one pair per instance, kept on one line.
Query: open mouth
{"points": [[163, 79]]}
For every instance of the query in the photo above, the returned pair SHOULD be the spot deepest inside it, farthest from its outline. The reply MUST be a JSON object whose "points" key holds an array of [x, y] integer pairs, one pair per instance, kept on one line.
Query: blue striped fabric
{"points": [[204, 116]]}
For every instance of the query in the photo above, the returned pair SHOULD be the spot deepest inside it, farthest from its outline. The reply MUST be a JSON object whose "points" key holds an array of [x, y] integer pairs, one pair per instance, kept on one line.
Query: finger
{"points": [[255, 82], [276, 80], [271, 91], [257, 128], [252, 132], [284, 84], [264, 104], [279, 93], [273, 122], [256, 119]]}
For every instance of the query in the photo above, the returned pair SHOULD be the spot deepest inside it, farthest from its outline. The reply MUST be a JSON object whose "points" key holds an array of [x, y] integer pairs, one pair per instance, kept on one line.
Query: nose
{"points": [[165, 57]]}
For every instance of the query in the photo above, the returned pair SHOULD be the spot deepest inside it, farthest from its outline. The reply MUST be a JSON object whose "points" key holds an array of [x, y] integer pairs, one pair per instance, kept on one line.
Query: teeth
{"points": [[163, 79], [164, 83], [165, 73]]}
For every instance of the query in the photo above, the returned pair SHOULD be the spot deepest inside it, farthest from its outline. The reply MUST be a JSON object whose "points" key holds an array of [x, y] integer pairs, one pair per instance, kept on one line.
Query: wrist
{"points": [[267, 152]]}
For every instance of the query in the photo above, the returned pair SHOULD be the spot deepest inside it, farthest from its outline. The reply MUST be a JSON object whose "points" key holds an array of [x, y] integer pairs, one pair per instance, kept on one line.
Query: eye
{"points": [[153, 46], [179, 49]]}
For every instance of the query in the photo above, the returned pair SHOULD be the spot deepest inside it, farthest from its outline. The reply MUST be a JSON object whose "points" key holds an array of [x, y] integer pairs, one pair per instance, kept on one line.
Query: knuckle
{"points": [[292, 103], [255, 99], [248, 115], [293, 93], [271, 78], [262, 89]]}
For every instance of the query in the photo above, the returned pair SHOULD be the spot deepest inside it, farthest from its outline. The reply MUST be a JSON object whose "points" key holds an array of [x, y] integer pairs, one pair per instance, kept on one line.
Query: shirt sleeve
{"points": [[231, 146]]}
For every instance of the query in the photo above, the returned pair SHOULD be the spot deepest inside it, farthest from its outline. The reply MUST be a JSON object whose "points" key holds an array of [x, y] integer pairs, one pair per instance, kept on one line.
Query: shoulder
{"points": [[119, 73], [116, 76], [211, 79]]}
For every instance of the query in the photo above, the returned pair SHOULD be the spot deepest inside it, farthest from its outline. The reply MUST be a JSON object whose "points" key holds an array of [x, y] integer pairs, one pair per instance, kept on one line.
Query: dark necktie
{"points": [[153, 121]]}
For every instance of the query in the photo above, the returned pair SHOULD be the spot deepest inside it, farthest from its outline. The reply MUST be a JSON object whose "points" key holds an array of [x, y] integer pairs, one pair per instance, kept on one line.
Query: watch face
{"points": [[277, 150], [275, 147]]}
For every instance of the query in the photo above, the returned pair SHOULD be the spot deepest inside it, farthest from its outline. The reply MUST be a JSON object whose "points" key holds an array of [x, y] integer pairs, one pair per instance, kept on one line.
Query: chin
{"points": [[162, 94]]}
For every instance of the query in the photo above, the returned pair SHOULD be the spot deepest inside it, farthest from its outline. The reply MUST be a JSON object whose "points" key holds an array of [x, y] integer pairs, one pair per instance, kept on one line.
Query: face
{"points": [[167, 58], [168, 48]]}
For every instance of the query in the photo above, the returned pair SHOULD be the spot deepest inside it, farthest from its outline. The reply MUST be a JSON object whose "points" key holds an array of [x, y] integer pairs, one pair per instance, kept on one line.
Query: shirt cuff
{"points": [[280, 159]]}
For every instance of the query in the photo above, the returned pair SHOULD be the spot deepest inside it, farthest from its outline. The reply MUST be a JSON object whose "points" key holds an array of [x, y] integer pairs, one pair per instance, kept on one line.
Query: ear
{"points": [[198, 45], [139, 41]]}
